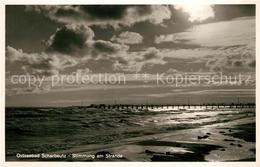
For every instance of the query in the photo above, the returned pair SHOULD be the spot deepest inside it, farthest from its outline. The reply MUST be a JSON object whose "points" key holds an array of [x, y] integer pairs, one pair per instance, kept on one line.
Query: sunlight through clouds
{"points": [[197, 12]]}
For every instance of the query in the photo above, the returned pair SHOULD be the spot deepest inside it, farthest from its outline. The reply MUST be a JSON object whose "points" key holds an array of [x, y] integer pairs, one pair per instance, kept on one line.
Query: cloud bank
{"points": [[223, 45], [105, 15]]}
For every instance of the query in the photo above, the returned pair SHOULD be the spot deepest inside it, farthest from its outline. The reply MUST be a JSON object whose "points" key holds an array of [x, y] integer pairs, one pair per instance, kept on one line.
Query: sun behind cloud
{"points": [[197, 12]]}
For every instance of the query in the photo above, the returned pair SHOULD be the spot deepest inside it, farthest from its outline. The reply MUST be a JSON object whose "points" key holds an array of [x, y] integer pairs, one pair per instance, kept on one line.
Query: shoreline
{"points": [[191, 142], [156, 147], [193, 135]]}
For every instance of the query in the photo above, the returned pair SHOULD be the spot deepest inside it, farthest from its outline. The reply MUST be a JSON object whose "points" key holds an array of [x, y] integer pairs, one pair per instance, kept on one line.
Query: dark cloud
{"points": [[105, 12], [67, 39], [64, 12], [77, 41], [105, 15]]}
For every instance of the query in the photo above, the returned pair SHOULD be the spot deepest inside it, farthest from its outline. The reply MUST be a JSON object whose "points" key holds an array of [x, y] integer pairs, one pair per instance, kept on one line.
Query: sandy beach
{"points": [[139, 135], [219, 142]]}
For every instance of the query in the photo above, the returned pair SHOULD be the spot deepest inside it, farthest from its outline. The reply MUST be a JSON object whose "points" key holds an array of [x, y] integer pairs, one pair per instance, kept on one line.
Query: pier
{"points": [[173, 106]]}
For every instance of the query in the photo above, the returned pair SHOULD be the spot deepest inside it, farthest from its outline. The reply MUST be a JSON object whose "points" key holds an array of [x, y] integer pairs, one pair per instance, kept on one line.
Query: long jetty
{"points": [[178, 106]]}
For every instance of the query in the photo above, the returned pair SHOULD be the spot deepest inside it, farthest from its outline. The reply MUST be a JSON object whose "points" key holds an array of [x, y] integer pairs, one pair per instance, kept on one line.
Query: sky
{"points": [[47, 41]]}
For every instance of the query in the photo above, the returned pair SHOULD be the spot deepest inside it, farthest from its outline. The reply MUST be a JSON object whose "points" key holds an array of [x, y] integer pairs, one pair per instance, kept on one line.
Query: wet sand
{"points": [[217, 144], [164, 136]]}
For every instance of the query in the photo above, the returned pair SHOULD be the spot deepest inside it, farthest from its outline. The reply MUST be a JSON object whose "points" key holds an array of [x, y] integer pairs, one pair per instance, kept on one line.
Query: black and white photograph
{"points": [[130, 82]]}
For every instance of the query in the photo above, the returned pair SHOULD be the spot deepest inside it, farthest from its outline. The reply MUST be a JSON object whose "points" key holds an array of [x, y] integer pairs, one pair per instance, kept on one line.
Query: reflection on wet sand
{"points": [[136, 135]]}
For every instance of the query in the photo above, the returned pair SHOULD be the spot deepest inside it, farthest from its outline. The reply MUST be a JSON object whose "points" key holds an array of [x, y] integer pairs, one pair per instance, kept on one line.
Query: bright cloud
{"points": [[38, 63], [196, 12], [229, 33], [128, 38], [223, 46]]}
